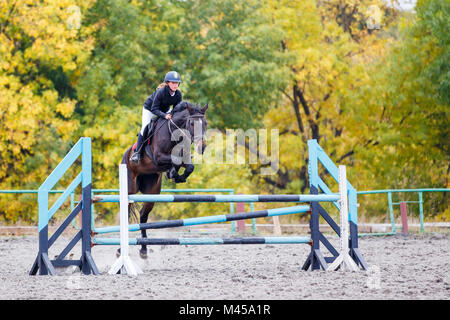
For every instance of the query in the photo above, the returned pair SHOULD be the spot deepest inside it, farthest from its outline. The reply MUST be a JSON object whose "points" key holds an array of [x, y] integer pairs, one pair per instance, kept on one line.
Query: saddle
{"points": [[147, 140], [148, 150], [148, 132]]}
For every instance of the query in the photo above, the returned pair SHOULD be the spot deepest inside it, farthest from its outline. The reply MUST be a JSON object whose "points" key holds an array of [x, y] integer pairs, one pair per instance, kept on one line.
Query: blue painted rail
{"points": [[220, 198], [204, 190], [204, 241], [207, 220]]}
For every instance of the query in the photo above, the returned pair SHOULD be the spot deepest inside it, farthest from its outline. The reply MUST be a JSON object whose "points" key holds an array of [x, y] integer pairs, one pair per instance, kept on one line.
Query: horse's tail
{"points": [[134, 212]]}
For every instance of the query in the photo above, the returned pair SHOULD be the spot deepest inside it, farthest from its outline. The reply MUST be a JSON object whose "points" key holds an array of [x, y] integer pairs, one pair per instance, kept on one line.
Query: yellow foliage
{"points": [[34, 39]]}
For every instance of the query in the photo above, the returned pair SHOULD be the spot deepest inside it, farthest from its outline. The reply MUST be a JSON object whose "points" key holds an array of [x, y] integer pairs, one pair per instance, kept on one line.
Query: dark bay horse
{"points": [[170, 146]]}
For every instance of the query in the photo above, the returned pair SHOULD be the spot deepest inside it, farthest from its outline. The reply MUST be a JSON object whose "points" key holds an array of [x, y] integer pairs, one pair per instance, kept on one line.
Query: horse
{"points": [[188, 123]]}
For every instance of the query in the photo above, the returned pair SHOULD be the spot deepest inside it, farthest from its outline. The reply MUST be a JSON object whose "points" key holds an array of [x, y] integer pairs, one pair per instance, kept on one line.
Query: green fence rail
{"points": [[391, 204]]}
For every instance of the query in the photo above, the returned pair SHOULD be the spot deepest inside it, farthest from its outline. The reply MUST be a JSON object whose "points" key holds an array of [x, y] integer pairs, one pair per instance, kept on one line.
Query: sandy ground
{"points": [[413, 267]]}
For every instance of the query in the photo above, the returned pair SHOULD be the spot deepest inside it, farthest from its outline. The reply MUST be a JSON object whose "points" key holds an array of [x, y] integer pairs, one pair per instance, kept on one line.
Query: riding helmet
{"points": [[172, 76]]}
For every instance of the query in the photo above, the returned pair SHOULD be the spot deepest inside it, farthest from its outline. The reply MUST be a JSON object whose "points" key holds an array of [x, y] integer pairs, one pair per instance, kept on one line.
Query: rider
{"points": [[156, 106]]}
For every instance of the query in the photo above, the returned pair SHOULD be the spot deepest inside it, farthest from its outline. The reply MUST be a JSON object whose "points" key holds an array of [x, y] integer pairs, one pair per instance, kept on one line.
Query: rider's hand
{"points": [[168, 116]]}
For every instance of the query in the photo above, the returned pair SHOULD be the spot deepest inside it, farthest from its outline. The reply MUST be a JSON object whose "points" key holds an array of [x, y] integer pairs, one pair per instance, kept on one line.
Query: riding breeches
{"points": [[146, 118]]}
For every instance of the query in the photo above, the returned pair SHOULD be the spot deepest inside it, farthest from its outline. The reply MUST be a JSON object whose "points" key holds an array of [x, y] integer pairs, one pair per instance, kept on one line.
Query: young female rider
{"points": [[156, 106]]}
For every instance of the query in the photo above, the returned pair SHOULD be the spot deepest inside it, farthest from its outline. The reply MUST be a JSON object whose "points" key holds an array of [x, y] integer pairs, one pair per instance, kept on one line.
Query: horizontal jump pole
{"points": [[220, 198], [204, 241], [207, 220]]}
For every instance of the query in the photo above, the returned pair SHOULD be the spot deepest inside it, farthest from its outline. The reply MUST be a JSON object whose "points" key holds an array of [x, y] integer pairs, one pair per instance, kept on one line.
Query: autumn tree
{"points": [[232, 59], [401, 109], [41, 49]]}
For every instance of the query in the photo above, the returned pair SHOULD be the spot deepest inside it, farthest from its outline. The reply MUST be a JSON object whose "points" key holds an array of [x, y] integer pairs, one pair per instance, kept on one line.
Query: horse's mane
{"points": [[183, 105], [180, 106]]}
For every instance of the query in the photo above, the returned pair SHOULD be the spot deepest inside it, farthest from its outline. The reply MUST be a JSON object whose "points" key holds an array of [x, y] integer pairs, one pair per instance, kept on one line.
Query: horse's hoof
{"points": [[180, 180], [143, 254]]}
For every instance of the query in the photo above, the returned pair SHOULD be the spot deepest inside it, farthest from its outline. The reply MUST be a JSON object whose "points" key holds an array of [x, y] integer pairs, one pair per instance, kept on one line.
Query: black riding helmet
{"points": [[172, 76]]}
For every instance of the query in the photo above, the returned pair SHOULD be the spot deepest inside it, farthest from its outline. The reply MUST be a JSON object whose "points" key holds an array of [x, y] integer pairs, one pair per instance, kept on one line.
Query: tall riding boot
{"points": [[150, 127], [137, 153]]}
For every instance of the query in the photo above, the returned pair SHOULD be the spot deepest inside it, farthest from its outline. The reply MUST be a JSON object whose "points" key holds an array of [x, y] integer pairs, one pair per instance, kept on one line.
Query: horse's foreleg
{"points": [[163, 159], [184, 160], [173, 172], [188, 169]]}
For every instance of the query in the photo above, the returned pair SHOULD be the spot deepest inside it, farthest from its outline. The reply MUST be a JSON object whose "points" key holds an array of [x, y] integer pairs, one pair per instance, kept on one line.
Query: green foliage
{"points": [[432, 27], [232, 60], [401, 126]]}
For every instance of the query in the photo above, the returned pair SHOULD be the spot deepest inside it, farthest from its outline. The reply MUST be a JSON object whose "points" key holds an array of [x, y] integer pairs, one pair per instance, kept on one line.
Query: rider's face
{"points": [[173, 85]]}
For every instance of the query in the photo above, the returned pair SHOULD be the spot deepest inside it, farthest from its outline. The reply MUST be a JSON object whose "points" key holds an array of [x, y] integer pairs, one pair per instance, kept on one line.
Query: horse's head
{"points": [[196, 125]]}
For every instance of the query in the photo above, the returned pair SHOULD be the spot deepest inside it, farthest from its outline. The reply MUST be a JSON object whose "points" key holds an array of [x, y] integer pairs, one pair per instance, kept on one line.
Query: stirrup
{"points": [[135, 157]]}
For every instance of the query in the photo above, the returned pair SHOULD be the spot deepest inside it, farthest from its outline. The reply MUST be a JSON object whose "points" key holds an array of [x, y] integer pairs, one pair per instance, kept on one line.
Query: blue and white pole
{"points": [[208, 219]]}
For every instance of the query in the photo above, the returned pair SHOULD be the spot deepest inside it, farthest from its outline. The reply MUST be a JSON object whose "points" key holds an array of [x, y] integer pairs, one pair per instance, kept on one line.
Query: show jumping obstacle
{"points": [[315, 260], [125, 265]]}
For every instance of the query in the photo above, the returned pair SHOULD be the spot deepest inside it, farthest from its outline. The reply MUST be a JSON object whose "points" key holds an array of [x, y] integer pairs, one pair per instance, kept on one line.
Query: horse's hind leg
{"points": [[148, 184], [148, 206]]}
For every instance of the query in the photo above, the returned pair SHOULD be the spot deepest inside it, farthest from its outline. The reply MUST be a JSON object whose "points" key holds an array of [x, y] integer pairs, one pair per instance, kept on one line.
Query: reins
{"points": [[170, 129], [182, 131]]}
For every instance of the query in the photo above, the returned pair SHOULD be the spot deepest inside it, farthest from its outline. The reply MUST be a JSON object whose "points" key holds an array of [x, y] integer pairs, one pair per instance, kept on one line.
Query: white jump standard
{"points": [[124, 264]]}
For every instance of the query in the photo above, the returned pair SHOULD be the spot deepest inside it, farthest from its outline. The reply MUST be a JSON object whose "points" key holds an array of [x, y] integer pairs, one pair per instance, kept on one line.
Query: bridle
{"points": [[188, 121]]}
